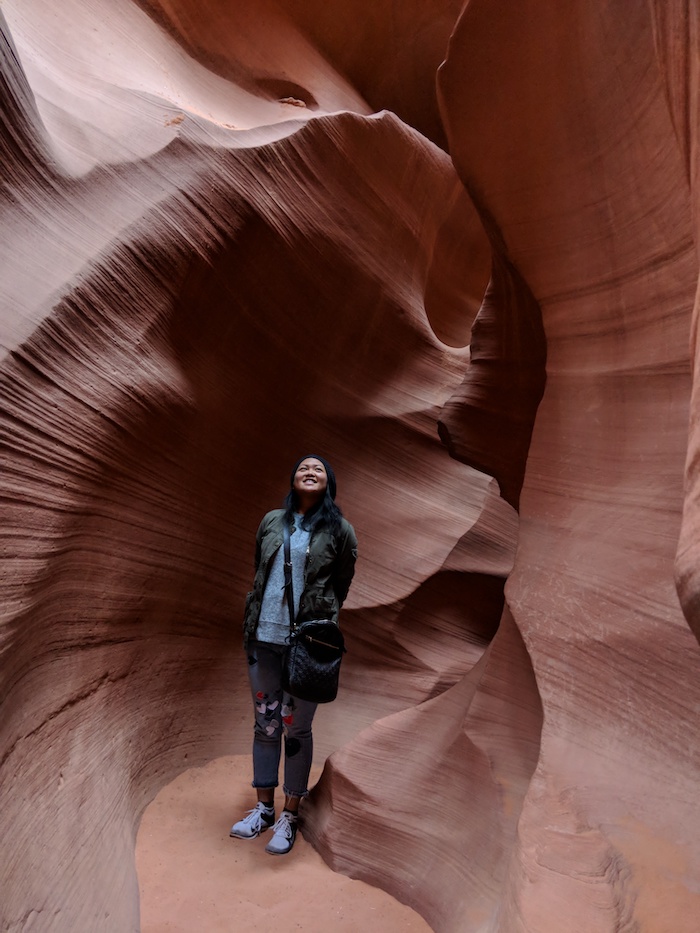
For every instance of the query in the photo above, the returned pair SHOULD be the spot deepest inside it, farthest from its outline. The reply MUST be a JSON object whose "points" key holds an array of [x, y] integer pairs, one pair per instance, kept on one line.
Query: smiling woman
{"points": [[310, 481], [322, 554]]}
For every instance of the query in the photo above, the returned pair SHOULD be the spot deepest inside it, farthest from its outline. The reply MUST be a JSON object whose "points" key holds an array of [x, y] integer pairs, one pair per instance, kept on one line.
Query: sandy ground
{"points": [[195, 879]]}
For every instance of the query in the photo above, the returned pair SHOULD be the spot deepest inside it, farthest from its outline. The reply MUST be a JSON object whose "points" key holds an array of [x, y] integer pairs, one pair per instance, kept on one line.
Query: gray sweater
{"points": [[273, 626]]}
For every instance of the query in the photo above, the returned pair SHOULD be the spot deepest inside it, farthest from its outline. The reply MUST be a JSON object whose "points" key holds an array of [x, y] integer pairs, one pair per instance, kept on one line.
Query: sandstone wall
{"points": [[236, 235]]}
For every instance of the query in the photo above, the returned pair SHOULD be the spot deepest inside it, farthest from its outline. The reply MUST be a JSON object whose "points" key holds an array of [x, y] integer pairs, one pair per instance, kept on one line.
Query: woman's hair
{"points": [[325, 514]]}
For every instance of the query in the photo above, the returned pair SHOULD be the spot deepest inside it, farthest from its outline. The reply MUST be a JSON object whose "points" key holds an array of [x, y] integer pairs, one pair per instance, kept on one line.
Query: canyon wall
{"points": [[235, 236]]}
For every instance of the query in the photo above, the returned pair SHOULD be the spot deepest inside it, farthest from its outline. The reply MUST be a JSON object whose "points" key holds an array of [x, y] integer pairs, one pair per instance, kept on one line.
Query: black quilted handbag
{"points": [[312, 662]]}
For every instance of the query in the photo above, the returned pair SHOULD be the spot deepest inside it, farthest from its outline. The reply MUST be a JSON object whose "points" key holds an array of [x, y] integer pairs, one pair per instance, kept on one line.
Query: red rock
{"points": [[202, 279]]}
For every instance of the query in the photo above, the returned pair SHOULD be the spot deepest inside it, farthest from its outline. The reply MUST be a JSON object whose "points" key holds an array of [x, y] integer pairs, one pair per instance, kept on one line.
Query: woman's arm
{"points": [[258, 545], [259, 535], [345, 563]]}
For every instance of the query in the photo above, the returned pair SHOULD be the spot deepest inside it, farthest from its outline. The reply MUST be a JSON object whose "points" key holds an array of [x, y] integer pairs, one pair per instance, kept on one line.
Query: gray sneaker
{"points": [[257, 821], [283, 834]]}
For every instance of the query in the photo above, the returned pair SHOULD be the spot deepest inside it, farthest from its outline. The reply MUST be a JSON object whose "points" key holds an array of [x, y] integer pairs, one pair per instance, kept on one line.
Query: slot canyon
{"points": [[452, 245]]}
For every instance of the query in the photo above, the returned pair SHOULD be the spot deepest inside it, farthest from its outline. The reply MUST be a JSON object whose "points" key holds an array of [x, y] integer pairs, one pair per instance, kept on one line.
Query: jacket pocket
{"points": [[320, 607]]}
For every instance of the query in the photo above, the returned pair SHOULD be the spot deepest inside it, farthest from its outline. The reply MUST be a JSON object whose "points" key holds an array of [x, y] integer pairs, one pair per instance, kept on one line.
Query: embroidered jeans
{"points": [[278, 715]]}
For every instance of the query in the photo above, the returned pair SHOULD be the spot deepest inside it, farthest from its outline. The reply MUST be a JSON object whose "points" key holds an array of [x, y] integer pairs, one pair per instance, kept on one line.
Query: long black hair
{"points": [[325, 514]]}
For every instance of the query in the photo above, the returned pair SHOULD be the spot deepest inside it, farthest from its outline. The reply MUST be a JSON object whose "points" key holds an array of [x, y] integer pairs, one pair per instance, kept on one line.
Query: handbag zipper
{"points": [[317, 641]]}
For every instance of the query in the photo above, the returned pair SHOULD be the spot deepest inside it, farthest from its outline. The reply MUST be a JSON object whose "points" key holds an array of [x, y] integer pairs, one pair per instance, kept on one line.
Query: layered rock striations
{"points": [[580, 167], [219, 255]]}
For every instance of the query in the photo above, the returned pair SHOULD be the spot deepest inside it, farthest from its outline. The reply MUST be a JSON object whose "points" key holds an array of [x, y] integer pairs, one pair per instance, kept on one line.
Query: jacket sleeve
{"points": [[258, 547], [345, 563], [260, 533]]}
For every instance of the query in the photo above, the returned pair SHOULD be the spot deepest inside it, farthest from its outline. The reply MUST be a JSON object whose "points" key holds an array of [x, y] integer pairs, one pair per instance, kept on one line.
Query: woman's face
{"points": [[310, 480]]}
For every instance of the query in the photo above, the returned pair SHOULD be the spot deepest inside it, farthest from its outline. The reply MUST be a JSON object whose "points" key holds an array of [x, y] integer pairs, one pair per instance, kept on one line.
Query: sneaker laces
{"points": [[254, 818], [283, 826]]}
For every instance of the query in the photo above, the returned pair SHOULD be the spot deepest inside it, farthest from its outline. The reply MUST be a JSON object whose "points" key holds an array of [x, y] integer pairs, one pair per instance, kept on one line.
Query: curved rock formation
{"points": [[579, 167], [217, 256]]}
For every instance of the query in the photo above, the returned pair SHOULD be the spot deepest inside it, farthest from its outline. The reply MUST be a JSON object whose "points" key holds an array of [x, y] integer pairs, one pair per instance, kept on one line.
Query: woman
{"points": [[323, 554]]}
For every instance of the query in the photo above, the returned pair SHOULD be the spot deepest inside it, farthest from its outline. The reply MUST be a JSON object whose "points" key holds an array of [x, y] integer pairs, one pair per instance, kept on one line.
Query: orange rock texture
{"points": [[453, 247]]}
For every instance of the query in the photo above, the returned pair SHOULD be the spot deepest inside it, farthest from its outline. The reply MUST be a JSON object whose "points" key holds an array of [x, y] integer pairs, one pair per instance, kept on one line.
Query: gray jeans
{"points": [[278, 715]]}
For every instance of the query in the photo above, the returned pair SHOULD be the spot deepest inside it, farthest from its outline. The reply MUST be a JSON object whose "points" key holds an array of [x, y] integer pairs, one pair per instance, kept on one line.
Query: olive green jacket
{"points": [[330, 565]]}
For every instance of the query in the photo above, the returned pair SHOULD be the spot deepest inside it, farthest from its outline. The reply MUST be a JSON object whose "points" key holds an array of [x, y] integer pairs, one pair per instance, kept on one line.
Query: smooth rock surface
{"points": [[579, 168], [193, 876], [233, 233]]}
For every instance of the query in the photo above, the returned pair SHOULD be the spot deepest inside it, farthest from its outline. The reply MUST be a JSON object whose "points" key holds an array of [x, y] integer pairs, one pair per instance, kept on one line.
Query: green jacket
{"points": [[330, 565]]}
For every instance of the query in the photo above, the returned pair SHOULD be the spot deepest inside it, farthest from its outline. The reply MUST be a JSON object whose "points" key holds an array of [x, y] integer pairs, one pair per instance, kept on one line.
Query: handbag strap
{"points": [[288, 588]]}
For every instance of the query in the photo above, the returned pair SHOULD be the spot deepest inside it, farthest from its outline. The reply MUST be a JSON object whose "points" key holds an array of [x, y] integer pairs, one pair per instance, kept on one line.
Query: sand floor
{"points": [[195, 879]]}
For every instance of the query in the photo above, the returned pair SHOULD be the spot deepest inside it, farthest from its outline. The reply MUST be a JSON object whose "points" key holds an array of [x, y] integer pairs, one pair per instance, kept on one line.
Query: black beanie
{"points": [[329, 471]]}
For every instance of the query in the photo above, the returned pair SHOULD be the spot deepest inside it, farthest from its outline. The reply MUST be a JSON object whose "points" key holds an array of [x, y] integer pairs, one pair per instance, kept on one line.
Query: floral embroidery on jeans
{"points": [[268, 711], [287, 714]]}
